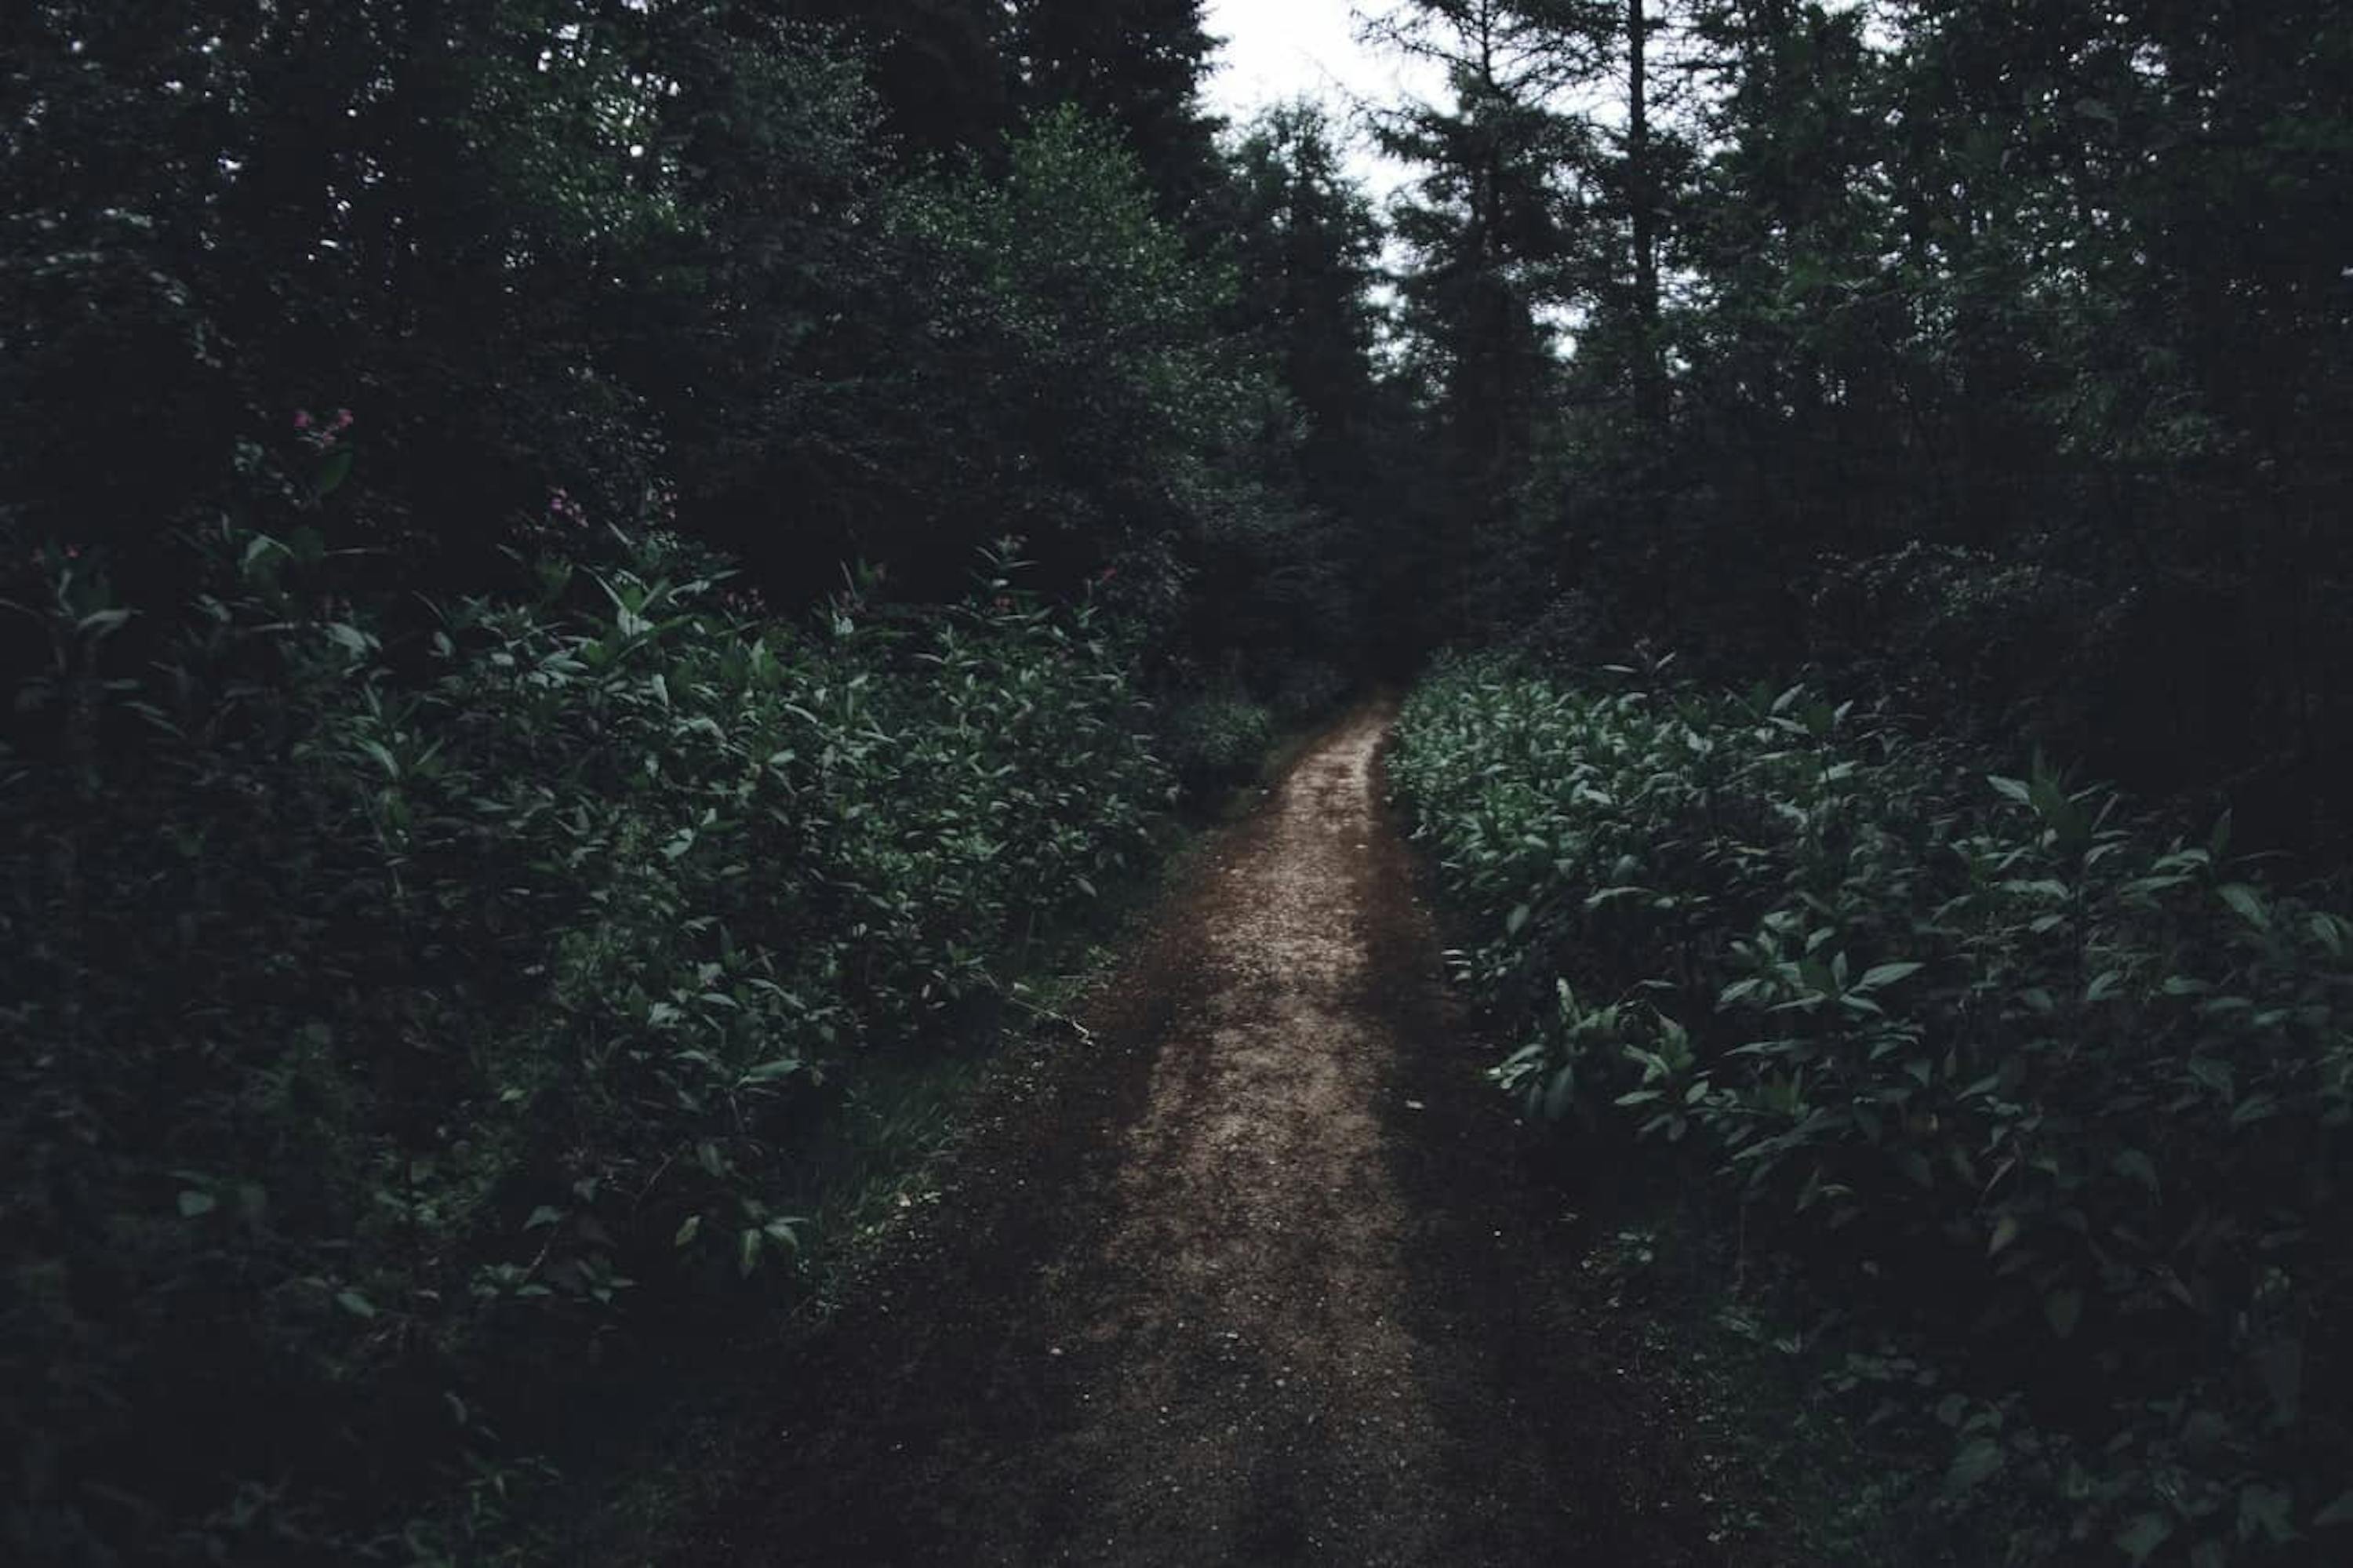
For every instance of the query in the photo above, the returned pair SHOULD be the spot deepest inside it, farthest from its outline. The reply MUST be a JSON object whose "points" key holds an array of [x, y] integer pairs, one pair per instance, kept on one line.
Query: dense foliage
{"points": [[2064, 1100], [395, 1019], [1995, 353], [435, 923], [439, 926], [538, 243]]}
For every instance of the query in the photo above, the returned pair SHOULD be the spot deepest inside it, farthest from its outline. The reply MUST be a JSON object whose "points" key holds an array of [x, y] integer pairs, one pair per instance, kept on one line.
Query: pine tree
{"points": [[1488, 228], [1137, 64], [1306, 244], [943, 68]]}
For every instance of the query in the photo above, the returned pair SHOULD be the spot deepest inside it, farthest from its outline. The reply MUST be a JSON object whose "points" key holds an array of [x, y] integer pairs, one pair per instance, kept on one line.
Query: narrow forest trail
{"points": [[1257, 1278]]}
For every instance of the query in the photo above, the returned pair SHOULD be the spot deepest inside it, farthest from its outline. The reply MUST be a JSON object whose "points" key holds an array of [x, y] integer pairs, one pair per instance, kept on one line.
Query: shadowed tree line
{"points": [[518, 694], [840, 282], [1988, 357], [584, 588], [1997, 350]]}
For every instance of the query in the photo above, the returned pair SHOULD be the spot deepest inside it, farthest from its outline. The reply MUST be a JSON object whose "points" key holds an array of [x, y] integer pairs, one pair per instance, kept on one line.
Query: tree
{"points": [[1489, 227], [1135, 64], [941, 69], [1794, 334], [2135, 204], [1306, 243], [1999, 347], [1068, 386], [403, 206], [765, 331]]}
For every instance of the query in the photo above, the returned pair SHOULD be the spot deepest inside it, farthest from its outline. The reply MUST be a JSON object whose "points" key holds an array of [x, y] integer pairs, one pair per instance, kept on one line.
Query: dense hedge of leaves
{"points": [[2068, 1104], [1218, 740], [392, 1007]]}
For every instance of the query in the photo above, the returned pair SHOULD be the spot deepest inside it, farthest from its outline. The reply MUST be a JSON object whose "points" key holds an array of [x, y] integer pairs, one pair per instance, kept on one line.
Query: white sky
{"points": [[1276, 50]]}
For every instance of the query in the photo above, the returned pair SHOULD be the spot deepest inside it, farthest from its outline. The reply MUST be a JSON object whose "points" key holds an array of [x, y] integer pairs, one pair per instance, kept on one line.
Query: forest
{"points": [[590, 589]]}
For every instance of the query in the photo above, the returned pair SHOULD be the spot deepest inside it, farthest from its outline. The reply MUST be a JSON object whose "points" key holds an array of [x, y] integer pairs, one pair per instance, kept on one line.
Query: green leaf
{"points": [[2005, 1231], [769, 1071], [2138, 1167], [1974, 1465], [1517, 918], [2063, 1310], [349, 637], [194, 1205], [2336, 1514], [544, 1216], [688, 1230], [336, 469], [2280, 1364], [357, 1305], [1885, 974], [2011, 788], [103, 622], [2140, 1539], [2248, 903], [2268, 1509]]}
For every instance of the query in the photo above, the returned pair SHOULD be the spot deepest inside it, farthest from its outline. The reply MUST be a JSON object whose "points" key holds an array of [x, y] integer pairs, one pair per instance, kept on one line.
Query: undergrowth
{"points": [[2048, 1112], [413, 1005]]}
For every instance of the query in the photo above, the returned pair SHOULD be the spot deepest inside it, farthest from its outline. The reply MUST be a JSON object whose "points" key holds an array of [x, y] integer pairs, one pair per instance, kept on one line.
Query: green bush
{"points": [[2065, 1103], [393, 1005], [1219, 741]]}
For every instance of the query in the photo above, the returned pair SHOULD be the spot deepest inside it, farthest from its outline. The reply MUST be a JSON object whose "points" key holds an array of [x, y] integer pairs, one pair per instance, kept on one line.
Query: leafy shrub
{"points": [[1949, 630], [2066, 1103], [391, 1009], [1218, 741]]}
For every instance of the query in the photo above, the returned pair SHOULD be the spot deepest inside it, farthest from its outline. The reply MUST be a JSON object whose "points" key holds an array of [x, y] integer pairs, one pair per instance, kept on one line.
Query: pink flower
{"points": [[301, 419], [343, 418]]}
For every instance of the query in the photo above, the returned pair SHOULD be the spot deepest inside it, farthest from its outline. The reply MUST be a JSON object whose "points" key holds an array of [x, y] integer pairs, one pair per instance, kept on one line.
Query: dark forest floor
{"points": [[1261, 1273]]}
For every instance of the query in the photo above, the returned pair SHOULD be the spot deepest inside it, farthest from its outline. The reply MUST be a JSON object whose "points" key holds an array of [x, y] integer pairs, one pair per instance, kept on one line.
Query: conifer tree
{"points": [[1138, 64]]}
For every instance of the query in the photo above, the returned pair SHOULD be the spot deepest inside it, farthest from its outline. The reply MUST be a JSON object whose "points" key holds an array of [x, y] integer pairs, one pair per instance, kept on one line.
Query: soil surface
{"points": [[1261, 1273]]}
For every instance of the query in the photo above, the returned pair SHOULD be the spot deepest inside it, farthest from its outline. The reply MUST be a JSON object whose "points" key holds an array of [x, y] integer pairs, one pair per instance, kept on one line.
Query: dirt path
{"points": [[1258, 1279]]}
